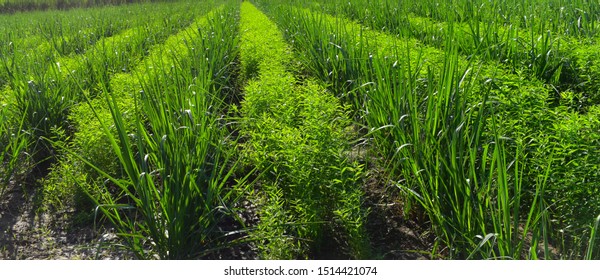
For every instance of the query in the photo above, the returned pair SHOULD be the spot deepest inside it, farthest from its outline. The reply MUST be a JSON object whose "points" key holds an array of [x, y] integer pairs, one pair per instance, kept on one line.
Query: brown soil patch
{"points": [[393, 235], [27, 232]]}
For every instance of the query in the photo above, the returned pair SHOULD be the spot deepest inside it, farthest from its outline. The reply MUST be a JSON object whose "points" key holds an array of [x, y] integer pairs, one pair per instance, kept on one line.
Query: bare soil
{"points": [[394, 235], [27, 231]]}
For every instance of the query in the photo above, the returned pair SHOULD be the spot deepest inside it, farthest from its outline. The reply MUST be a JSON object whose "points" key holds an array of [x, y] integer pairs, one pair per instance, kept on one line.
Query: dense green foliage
{"points": [[196, 126], [406, 92], [296, 131], [114, 65], [173, 162], [12, 6]]}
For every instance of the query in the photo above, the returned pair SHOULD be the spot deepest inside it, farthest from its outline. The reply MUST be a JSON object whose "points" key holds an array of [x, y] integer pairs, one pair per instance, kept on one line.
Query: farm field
{"points": [[300, 129]]}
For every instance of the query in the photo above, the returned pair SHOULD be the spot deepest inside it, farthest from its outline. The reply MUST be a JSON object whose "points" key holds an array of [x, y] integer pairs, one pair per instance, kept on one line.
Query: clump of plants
{"points": [[296, 132]]}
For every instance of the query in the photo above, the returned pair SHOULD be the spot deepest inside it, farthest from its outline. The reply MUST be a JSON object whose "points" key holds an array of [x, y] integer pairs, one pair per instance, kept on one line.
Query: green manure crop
{"points": [[296, 131]]}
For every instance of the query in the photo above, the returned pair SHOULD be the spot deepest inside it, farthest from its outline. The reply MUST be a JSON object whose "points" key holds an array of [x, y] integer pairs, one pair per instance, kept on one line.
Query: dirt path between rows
{"points": [[26, 232]]}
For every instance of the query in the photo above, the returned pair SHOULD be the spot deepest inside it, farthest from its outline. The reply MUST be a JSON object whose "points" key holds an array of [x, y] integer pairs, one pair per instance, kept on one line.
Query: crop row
{"points": [[297, 133], [32, 43], [534, 50], [573, 18], [119, 53], [112, 59], [13, 6], [157, 138], [40, 96], [341, 52]]}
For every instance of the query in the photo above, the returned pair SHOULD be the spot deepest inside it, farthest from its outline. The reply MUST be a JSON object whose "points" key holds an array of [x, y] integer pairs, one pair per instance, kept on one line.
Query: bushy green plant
{"points": [[296, 131], [104, 67], [176, 165], [46, 84], [13, 144]]}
